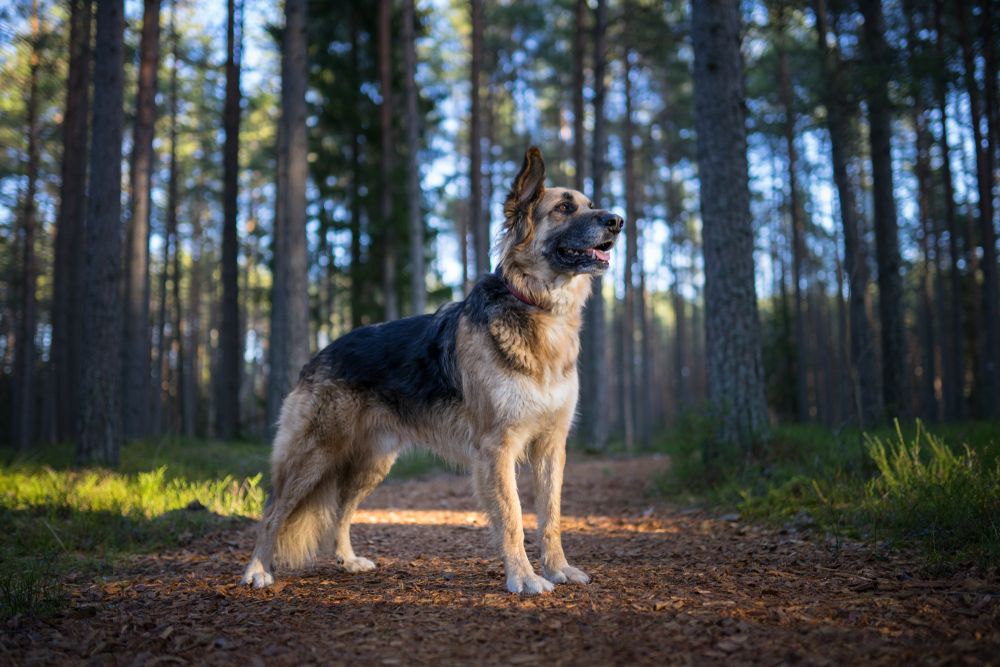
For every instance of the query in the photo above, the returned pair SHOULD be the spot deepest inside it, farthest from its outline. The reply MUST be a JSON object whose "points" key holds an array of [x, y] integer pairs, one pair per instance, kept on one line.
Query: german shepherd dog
{"points": [[485, 383]]}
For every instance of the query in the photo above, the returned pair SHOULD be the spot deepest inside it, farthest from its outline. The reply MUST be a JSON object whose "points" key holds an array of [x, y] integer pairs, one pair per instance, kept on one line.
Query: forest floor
{"points": [[670, 586]]}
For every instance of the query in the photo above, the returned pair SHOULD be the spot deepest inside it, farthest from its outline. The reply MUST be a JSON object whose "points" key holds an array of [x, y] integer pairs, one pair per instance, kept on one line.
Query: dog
{"points": [[485, 383]]}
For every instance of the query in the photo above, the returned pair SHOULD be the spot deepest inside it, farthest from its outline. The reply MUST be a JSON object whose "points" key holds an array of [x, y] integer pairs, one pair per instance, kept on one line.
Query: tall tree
{"points": [[68, 284], [579, 140], [230, 341], [631, 257], [135, 361], [294, 115], [414, 200], [989, 392], [171, 246], [595, 354], [100, 434], [864, 368], [732, 336], [289, 343], [795, 210], [954, 376], [929, 274], [478, 222], [24, 359], [386, 163], [890, 299]]}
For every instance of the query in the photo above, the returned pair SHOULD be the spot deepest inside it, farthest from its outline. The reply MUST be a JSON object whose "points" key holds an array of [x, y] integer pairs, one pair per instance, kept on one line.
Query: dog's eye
{"points": [[565, 208]]}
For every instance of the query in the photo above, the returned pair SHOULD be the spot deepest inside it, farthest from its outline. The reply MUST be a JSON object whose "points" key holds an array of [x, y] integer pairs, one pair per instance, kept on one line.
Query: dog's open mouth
{"points": [[599, 253]]}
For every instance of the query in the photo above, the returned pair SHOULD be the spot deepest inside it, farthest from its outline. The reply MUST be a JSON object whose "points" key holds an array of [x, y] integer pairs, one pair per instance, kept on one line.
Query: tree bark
{"points": [[477, 219], [418, 282], [67, 297], [294, 114], [895, 391], [288, 347], [100, 428], [928, 239], [24, 357], [594, 344], [579, 139], [631, 259], [386, 164], [231, 360], [357, 286], [135, 361], [954, 366], [989, 392], [864, 366], [735, 367], [795, 210]]}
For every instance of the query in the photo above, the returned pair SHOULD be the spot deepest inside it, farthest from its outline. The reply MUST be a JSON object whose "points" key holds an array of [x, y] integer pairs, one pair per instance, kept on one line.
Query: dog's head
{"points": [[552, 234]]}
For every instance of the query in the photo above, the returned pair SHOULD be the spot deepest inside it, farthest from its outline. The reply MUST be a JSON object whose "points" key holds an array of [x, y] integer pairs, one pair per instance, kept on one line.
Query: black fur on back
{"points": [[410, 364]]}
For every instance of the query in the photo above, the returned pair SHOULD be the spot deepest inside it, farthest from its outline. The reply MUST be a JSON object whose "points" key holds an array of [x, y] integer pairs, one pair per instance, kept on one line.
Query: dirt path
{"points": [[669, 587]]}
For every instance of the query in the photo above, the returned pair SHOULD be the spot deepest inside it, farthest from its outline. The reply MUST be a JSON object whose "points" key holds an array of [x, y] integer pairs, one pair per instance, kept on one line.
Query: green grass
{"points": [[938, 491], [56, 519]]}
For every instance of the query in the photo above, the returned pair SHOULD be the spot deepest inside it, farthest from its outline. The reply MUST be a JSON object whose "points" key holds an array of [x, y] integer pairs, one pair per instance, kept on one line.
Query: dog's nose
{"points": [[613, 222]]}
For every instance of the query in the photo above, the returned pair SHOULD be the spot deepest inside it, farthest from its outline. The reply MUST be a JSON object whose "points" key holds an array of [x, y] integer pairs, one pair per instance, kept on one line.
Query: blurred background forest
{"points": [[286, 174]]}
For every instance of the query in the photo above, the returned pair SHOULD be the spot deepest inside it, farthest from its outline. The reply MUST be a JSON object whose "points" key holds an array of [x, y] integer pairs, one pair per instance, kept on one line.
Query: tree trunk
{"points": [[579, 140], [928, 240], [386, 165], [100, 432], [477, 221], [161, 369], [735, 367], [418, 284], [24, 358], [644, 400], [954, 366], [631, 259], [579, 151], [288, 347], [357, 286], [895, 391], [230, 341], [864, 366], [135, 361], [989, 392], [294, 115], [802, 356], [595, 361], [67, 297]]}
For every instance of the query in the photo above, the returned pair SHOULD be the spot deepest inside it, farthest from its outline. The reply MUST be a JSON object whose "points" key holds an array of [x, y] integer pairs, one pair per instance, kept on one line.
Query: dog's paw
{"points": [[528, 584], [566, 573], [256, 576], [357, 564]]}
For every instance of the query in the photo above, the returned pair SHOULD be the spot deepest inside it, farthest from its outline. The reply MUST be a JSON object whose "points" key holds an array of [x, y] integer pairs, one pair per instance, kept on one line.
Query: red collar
{"points": [[520, 296]]}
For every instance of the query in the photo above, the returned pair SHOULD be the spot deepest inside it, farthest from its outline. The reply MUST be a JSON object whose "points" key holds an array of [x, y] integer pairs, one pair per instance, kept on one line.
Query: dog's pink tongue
{"points": [[602, 255]]}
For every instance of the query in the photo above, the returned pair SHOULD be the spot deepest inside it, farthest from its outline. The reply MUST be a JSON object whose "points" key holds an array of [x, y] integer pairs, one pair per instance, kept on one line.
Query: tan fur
{"points": [[519, 380]]}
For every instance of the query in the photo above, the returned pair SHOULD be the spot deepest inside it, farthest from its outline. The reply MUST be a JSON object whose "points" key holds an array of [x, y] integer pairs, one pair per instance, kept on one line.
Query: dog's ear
{"points": [[525, 193]]}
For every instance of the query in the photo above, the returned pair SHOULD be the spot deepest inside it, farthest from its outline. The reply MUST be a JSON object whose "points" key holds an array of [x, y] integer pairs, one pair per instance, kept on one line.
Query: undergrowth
{"points": [[903, 486]]}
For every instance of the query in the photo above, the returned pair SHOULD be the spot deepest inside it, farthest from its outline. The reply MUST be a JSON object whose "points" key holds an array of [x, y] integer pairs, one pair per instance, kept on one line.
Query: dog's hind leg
{"points": [[295, 517], [354, 482]]}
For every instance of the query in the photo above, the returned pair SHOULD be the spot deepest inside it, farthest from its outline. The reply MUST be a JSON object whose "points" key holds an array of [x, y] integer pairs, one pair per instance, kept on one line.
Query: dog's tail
{"points": [[301, 474], [303, 533]]}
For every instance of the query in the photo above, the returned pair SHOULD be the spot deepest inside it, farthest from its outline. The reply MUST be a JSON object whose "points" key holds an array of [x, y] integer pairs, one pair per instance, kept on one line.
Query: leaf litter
{"points": [[671, 586]]}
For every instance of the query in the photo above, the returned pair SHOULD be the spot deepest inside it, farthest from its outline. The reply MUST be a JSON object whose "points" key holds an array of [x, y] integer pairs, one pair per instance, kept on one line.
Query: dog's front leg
{"points": [[496, 485], [548, 458]]}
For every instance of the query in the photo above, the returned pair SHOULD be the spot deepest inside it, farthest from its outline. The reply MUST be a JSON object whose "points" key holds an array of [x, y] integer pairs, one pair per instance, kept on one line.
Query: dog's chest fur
{"points": [[520, 361]]}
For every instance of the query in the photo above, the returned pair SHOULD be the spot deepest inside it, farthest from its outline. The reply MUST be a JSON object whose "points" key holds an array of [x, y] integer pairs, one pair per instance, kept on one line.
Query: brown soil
{"points": [[670, 586]]}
